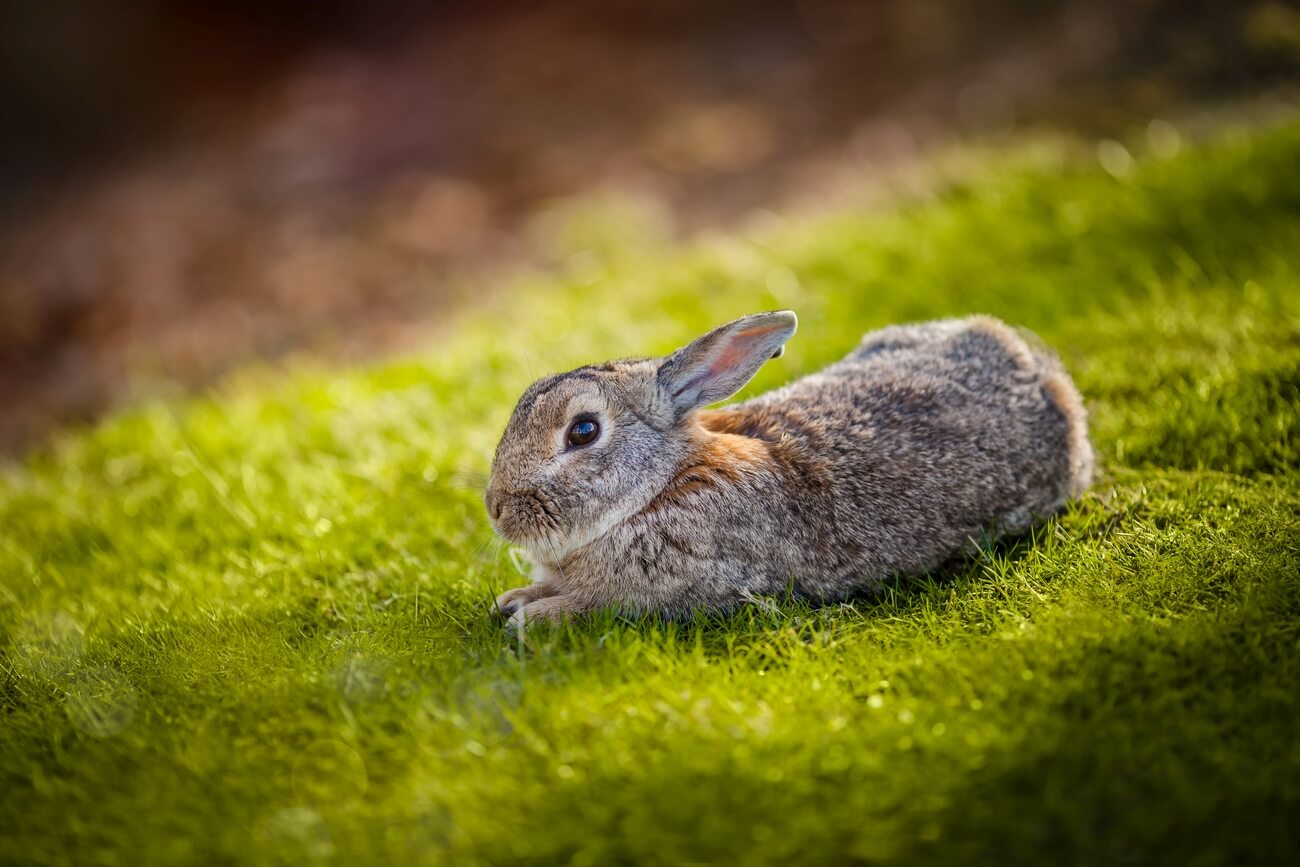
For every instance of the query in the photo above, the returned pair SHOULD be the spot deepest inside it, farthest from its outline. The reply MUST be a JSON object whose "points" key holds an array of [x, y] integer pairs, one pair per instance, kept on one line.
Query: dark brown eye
{"points": [[583, 431]]}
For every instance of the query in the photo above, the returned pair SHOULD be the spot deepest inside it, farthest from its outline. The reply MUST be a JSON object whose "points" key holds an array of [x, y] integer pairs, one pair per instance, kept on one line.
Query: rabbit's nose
{"points": [[493, 504]]}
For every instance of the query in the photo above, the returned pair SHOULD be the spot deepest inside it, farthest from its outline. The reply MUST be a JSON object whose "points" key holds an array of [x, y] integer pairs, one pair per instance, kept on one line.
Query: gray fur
{"points": [[924, 439]]}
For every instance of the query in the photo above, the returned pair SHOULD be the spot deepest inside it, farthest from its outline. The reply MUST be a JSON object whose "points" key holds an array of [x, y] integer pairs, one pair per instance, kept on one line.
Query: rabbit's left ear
{"points": [[719, 364]]}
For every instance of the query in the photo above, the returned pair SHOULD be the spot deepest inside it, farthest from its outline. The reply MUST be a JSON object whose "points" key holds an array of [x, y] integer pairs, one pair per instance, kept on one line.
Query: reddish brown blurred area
{"points": [[185, 187]]}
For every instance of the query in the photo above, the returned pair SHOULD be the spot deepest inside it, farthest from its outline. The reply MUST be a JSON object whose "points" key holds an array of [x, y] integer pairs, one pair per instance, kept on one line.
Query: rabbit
{"points": [[924, 441]]}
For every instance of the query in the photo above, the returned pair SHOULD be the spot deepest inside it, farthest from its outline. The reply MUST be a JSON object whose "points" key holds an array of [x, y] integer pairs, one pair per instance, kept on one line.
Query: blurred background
{"points": [[186, 187]]}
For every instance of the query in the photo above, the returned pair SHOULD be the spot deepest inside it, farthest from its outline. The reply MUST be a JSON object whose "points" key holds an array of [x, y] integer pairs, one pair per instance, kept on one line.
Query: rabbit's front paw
{"points": [[552, 609], [512, 600]]}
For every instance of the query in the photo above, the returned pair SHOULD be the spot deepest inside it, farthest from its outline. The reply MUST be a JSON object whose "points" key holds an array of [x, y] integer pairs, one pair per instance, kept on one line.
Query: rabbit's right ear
{"points": [[719, 364]]}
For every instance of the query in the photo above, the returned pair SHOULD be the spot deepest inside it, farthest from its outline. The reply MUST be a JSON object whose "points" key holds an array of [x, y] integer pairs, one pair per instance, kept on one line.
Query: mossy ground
{"points": [[254, 628]]}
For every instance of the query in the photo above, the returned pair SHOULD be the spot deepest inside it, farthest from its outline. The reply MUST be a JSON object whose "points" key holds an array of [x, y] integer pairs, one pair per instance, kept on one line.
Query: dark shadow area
{"points": [[1174, 747]]}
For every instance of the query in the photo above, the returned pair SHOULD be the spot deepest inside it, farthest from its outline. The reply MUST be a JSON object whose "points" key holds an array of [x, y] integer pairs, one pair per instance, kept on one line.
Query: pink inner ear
{"points": [[730, 357], [738, 348]]}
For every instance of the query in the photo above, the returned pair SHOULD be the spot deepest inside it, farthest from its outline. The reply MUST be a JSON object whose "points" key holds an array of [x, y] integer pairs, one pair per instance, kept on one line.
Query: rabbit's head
{"points": [[589, 448]]}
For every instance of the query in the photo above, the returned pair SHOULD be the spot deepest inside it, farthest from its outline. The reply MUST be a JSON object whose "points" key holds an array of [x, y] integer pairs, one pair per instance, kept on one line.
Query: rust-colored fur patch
{"points": [[732, 454], [734, 421], [723, 455]]}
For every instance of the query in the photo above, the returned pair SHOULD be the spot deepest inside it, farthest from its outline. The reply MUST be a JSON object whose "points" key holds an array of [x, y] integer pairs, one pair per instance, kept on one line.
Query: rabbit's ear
{"points": [[719, 364]]}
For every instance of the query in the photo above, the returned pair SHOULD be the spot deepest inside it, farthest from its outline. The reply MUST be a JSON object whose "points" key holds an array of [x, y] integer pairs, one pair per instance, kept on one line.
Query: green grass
{"points": [[254, 628]]}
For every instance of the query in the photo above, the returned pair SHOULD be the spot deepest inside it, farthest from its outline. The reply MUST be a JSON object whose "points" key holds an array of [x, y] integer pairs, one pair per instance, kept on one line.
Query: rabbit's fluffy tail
{"points": [[1061, 391]]}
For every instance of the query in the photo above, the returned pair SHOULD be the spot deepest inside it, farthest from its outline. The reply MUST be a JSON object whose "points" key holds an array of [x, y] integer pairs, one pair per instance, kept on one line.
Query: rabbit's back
{"points": [[930, 437]]}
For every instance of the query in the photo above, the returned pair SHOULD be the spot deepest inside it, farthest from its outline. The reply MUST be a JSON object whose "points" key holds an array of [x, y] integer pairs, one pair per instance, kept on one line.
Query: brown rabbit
{"points": [[628, 494]]}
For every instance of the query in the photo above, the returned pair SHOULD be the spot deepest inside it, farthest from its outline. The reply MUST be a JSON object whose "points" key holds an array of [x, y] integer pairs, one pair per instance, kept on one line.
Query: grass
{"points": [[253, 628]]}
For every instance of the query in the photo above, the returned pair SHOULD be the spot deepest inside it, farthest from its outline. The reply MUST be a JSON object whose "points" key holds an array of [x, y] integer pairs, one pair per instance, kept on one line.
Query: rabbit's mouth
{"points": [[529, 519], [552, 528]]}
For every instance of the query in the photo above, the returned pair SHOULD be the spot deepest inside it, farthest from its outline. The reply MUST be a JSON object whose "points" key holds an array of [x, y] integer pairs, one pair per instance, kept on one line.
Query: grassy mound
{"points": [[254, 628]]}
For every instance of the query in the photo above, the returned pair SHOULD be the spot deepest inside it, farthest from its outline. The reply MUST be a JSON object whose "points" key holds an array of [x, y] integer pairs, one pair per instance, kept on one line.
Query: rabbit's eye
{"points": [[583, 431]]}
